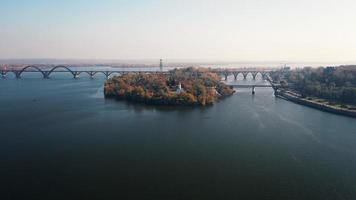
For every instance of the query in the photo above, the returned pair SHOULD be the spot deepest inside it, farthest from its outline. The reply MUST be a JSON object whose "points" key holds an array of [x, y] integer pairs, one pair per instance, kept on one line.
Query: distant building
{"points": [[179, 88]]}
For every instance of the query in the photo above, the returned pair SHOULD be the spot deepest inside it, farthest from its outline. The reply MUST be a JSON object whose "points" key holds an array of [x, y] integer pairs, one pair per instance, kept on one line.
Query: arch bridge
{"points": [[273, 85], [263, 72], [244, 72], [46, 72]]}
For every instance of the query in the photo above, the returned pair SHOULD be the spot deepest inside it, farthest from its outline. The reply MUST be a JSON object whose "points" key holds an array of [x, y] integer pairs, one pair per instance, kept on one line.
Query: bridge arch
{"points": [[61, 67], [115, 73], [90, 73], [244, 74], [225, 74], [4, 73], [250, 73], [109, 73], [18, 74], [265, 75], [258, 73]]}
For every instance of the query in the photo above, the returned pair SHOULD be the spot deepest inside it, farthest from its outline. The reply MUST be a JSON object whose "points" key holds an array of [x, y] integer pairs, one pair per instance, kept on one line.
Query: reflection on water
{"points": [[61, 139]]}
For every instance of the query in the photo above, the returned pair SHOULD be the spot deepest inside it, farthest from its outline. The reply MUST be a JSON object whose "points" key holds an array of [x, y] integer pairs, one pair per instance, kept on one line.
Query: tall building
{"points": [[161, 64]]}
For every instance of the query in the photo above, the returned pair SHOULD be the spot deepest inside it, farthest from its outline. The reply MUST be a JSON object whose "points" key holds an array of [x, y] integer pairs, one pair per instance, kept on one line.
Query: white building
{"points": [[179, 88]]}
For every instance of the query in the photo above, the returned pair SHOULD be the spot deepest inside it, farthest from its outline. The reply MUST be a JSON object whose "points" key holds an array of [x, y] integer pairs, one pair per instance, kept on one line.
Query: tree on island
{"points": [[200, 87]]}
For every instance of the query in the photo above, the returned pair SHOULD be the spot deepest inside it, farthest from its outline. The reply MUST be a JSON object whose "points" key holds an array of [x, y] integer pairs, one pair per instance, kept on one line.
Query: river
{"points": [[60, 139]]}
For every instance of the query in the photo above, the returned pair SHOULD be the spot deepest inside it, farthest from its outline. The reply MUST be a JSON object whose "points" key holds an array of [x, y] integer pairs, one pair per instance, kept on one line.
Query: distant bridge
{"points": [[64, 69], [244, 71], [249, 86], [46, 72], [265, 74], [272, 85]]}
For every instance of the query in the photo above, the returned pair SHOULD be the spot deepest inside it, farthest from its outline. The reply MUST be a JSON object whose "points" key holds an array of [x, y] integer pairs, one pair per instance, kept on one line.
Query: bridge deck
{"points": [[248, 86]]}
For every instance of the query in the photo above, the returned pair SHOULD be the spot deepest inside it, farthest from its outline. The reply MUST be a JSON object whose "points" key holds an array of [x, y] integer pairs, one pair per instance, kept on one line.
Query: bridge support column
{"points": [[3, 74], [235, 76], [18, 75], [91, 74], [254, 76], [245, 75], [265, 76], [107, 74], [76, 75], [46, 75]]}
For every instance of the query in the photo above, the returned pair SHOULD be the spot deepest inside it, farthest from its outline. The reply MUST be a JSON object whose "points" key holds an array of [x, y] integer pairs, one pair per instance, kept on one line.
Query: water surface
{"points": [[60, 139]]}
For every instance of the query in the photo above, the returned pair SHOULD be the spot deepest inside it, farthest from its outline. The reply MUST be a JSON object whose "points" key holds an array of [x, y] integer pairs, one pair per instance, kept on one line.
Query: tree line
{"points": [[331, 83]]}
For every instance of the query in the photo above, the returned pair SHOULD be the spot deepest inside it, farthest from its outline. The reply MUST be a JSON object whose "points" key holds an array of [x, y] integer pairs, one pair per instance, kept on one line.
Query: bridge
{"points": [[249, 86], [272, 85], [46, 72], [244, 72], [265, 74], [64, 69]]}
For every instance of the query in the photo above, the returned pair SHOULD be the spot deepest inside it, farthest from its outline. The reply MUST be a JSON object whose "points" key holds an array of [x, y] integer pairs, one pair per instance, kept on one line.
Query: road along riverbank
{"points": [[324, 106]]}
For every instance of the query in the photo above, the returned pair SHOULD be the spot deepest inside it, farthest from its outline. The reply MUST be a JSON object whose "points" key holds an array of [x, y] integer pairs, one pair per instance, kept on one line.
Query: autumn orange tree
{"points": [[200, 87]]}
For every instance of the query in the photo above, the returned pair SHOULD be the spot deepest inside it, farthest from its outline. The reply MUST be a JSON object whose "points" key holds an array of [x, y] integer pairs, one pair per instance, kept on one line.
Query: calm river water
{"points": [[60, 139]]}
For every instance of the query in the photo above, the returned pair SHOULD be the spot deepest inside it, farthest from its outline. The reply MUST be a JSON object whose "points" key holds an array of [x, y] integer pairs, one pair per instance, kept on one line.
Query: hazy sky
{"points": [[236, 30]]}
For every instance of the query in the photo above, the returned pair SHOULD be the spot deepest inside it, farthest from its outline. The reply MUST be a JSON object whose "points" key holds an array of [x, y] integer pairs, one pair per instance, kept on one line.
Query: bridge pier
{"points": [[76, 75], [245, 75], [45, 75], [3, 74], [235, 75], [18, 75], [91, 74], [254, 76], [107, 74]]}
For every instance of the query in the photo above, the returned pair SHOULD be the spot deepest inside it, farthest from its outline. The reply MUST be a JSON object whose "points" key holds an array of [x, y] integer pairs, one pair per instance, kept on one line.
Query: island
{"points": [[331, 89], [183, 87]]}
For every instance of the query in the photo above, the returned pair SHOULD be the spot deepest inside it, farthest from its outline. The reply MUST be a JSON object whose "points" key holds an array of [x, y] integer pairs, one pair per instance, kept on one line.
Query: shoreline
{"points": [[290, 96]]}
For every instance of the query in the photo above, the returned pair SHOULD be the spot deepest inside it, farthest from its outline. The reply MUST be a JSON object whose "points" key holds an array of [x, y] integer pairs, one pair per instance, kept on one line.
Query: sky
{"points": [[204, 30]]}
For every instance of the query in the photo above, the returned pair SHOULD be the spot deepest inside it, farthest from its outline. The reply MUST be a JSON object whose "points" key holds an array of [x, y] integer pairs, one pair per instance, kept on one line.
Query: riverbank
{"points": [[320, 104]]}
